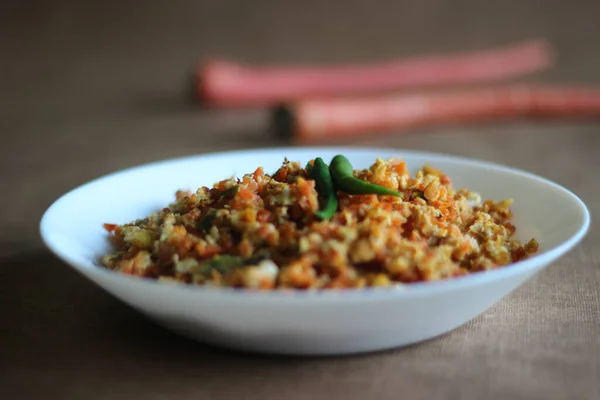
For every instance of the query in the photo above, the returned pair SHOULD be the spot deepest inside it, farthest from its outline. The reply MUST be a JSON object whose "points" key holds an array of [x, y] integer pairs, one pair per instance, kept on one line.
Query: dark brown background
{"points": [[88, 88]]}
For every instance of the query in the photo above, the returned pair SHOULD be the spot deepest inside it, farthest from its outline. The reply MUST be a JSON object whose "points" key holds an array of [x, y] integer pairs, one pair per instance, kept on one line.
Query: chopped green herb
{"points": [[225, 263], [417, 194], [220, 263], [229, 192], [206, 222]]}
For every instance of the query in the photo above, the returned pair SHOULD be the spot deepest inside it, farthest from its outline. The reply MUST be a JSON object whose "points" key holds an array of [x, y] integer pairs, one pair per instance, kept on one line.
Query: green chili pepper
{"points": [[309, 170], [326, 189], [342, 174]]}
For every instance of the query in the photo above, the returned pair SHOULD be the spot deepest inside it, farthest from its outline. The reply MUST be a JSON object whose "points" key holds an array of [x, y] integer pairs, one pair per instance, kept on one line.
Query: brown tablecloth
{"points": [[88, 88]]}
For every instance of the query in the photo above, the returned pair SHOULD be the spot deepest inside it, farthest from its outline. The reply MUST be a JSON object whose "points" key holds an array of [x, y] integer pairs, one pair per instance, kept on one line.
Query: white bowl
{"points": [[307, 323]]}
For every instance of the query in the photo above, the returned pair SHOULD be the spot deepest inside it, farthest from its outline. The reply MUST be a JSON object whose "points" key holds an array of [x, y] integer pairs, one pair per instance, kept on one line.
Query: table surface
{"points": [[89, 88]]}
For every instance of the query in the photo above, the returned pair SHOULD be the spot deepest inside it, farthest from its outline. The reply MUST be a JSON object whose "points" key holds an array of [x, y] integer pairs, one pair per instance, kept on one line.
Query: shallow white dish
{"points": [[307, 323]]}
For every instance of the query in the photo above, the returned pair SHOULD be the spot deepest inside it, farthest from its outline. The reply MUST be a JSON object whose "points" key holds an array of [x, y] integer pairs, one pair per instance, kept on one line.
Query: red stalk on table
{"points": [[335, 118], [223, 83]]}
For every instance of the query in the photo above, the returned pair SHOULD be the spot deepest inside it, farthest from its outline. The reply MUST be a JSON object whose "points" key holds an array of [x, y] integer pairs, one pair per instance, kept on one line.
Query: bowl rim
{"points": [[531, 265]]}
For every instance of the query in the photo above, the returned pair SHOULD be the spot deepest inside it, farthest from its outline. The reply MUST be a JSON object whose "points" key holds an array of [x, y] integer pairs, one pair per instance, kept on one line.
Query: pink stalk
{"points": [[223, 83], [334, 118]]}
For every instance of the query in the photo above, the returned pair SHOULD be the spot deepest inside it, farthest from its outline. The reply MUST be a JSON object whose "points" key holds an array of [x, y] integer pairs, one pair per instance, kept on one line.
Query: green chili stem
{"points": [[343, 177]]}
